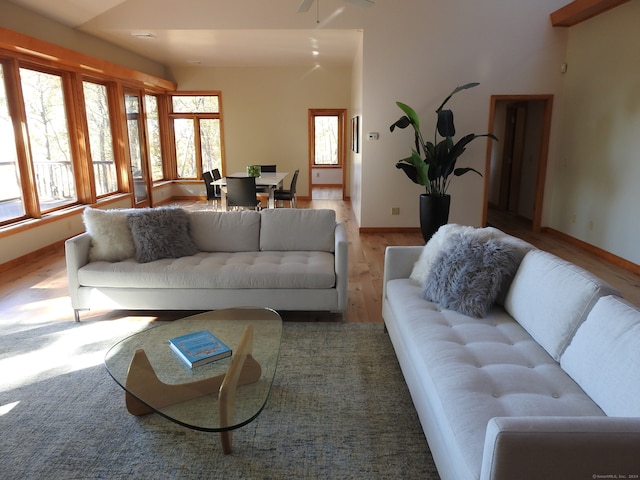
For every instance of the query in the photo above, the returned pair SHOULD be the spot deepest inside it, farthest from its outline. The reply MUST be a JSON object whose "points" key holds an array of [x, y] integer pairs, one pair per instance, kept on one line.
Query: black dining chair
{"points": [[213, 191], [265, 169], [242, 193], [288, 195]]}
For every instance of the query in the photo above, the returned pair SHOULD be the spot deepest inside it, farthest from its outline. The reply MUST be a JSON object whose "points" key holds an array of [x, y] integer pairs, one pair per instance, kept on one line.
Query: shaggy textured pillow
{"points": [[439, 242], [161, 233], [468, 274], [111, 239]]}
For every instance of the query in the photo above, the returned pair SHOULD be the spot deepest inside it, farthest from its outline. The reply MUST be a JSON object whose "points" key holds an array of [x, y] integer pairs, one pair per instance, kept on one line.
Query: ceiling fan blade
{"points": [[305, 6], [362, 3]]}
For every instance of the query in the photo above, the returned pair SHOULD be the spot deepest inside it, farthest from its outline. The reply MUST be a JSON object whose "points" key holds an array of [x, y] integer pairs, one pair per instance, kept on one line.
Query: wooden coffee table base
{"points": [[142, 379]]}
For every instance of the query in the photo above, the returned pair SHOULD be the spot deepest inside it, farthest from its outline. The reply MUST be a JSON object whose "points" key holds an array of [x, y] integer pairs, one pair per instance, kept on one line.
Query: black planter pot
{"points": [[434, 212]]}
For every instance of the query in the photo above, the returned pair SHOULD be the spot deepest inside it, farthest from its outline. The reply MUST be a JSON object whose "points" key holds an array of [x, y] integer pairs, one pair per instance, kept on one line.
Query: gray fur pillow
{"points": [[161, 233], [468, 274]]}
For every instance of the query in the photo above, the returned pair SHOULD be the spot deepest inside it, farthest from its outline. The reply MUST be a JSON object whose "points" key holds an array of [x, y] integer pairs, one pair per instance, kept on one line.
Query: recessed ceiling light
{"points": [[143, 35]]}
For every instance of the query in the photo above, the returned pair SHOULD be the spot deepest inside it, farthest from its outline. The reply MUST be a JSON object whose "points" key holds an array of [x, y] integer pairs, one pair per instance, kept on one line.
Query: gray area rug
{"points": [[339, 408]]}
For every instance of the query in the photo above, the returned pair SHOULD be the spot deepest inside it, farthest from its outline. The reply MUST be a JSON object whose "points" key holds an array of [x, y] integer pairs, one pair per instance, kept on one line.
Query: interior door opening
{"points": [[516, 166]]}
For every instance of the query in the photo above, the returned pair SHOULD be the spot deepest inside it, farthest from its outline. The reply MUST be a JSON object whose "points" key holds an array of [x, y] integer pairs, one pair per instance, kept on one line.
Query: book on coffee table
{"points": [[199, 348]]}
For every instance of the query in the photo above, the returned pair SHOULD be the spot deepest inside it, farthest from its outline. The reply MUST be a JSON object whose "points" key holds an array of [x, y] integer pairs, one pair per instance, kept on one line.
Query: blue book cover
{"points": [[199, 348]]}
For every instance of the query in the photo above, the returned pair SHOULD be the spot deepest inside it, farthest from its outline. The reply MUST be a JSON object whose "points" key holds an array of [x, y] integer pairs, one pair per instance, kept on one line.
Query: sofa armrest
{"points": [[342, 265], [530, 448], [77, 256], [398, 263]]}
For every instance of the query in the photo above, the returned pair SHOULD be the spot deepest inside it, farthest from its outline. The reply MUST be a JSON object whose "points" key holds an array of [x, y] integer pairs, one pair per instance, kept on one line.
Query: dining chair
{"points": [[288, 195], [262, 191], [213, 191], [242, 193]]}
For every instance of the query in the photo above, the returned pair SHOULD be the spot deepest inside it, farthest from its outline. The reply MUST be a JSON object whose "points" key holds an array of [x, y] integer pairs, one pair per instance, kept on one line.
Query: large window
{"points": [[197, 133], [48, 133], [327, 128], [74, 131], [153, 137], [100, 138], [11, 203]]}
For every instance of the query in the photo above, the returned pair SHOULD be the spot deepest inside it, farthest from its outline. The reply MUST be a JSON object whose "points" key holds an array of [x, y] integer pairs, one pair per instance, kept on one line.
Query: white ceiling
{"points": [[218, 32]]}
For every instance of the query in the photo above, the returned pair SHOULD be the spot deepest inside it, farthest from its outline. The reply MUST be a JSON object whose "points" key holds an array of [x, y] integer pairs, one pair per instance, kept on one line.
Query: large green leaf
{"points": [[456, 90], [415, 168], [410, 113]]}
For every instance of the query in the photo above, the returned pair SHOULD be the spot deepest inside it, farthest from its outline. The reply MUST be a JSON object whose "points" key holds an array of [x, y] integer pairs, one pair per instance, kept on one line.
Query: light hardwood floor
{"points": [[38, 288]]}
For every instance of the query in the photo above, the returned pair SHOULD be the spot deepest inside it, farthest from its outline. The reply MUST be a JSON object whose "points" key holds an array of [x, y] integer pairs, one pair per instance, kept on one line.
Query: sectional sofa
{"points": [[172, 259], [520, 365]]}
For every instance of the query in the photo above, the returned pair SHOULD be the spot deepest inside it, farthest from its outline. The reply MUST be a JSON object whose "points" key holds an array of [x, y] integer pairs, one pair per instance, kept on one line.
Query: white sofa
{"points": [[545, 386], [285, 259]]}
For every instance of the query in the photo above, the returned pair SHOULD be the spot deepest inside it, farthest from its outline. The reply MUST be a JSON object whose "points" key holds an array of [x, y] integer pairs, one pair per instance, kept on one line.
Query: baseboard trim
{"points": [[597, 251]]}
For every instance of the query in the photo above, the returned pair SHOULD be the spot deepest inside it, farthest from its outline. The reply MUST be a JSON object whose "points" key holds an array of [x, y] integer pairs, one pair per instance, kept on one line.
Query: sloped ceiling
{"points": [[218, 32]]}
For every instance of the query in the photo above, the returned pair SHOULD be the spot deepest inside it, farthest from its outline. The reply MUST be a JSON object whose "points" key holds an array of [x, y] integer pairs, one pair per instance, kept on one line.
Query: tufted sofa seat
{"points": [[510, 395], [285, 259], [218, 270]]}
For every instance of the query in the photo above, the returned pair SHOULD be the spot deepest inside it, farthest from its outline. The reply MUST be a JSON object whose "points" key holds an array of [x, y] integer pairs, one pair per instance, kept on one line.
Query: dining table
{"points": [[267, 182]]}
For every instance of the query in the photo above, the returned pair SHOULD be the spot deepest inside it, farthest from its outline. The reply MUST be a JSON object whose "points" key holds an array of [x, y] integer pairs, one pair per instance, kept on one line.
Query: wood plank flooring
{"points": [[37, 290]]}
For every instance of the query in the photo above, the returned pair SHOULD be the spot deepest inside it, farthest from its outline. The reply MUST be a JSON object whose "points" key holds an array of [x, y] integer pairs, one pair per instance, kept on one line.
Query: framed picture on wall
{"points": [[355, 134]]}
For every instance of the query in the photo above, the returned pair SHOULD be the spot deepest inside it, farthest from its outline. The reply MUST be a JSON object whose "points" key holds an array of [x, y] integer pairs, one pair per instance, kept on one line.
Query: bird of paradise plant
{"points": [[432, 163]]}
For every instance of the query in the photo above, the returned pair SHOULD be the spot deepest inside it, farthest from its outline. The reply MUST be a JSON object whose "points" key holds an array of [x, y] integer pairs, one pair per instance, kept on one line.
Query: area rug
{"points": [[339, 409]]}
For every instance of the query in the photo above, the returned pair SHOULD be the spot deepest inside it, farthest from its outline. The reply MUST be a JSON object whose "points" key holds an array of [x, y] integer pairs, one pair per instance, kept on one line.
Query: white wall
{"points": [[354, 170], [596, 182], [417, 54], [326, 176], [265, 111]]}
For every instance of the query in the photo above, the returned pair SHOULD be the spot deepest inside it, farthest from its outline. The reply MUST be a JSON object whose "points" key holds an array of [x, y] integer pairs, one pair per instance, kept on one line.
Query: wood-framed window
{"points": [[63, 129], [196, 119], [327, 137]]}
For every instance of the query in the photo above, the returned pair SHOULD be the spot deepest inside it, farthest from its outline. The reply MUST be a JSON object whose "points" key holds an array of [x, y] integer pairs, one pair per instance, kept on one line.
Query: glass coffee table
{"points": [[217, 397]]}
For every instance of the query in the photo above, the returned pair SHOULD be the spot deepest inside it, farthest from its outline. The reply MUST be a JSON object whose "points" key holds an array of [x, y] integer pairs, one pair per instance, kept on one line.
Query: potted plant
{"points": [[431, 164]]}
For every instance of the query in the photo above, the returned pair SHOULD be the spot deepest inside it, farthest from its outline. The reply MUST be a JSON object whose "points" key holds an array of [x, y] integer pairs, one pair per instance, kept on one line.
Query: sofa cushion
{"points": [[297, 229], [111, 238], [160, 233], [604, 357], [208, 270], [551, 297], [469, 273], [225, 231]]}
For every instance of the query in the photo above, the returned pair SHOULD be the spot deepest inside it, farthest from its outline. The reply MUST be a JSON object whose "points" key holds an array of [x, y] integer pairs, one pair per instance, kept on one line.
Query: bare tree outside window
{"points": [[197, 131], [100, 139], [326, 140], [48, 138], [153, 135]]}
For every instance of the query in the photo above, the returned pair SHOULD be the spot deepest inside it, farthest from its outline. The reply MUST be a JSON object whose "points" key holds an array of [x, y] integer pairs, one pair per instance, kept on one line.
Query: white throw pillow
{"points": [[111, 239]]}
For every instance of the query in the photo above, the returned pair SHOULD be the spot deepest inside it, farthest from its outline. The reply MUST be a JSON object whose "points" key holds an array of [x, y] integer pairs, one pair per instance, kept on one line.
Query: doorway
{"points": [[327, 151], [516, 166]]}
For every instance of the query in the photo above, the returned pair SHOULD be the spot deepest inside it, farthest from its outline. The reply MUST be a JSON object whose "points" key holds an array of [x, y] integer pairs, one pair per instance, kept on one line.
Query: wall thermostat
{"points": [[373, 136]]}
